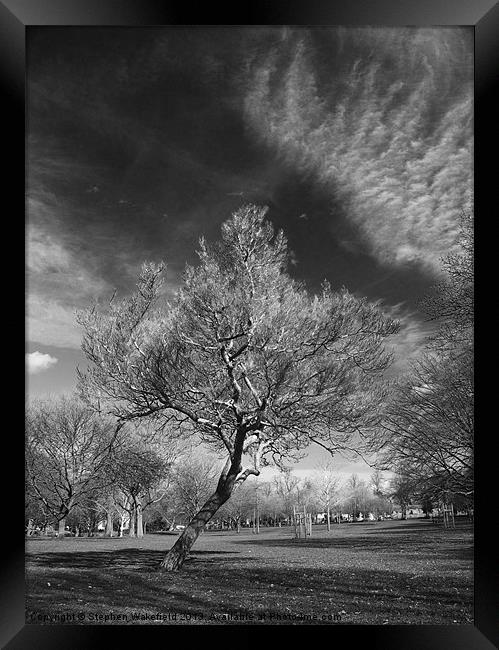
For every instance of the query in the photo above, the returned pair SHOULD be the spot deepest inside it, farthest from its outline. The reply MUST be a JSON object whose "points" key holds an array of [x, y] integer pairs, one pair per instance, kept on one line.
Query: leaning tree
{"points": [[244, 358]]}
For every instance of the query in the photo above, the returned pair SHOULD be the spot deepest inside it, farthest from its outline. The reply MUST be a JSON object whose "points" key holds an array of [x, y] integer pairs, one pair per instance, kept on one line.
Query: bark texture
{"points": [[177, 555], [62, 527], [109, 524]]}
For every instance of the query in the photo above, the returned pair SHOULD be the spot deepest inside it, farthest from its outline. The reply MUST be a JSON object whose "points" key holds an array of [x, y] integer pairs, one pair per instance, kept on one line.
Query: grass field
{"points": [[391, 572]]}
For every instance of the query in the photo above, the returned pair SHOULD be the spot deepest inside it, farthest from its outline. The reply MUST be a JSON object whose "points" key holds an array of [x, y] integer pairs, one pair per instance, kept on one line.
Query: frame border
{"points": [[16, 16]]}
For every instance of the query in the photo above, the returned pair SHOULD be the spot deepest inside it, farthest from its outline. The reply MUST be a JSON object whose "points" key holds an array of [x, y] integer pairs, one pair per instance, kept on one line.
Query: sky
{"points": [[140, 140]]}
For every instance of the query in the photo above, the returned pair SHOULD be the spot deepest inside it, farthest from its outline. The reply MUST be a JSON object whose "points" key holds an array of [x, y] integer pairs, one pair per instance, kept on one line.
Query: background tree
{"points": [[245, 359], [380, 503], [240, 506], [193, 482], [326, 487], [354, 487], [431, 424], [451, 302], [268, 505], [36, 516], [68, 452], [401, 490], [286, 484], [430, 419], [139, 472]]}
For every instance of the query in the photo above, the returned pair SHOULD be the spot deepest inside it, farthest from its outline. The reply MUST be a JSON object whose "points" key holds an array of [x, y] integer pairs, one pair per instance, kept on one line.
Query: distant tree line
{"points": [[87, 476]]}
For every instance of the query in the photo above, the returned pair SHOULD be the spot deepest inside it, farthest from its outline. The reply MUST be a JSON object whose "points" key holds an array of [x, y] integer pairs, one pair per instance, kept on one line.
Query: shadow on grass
{"points": [[216, 582], [205, 589], [133, 559]]}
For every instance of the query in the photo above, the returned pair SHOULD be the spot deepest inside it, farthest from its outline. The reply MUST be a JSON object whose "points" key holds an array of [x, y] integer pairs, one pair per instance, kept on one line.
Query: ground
{"points": [[391, 572]]}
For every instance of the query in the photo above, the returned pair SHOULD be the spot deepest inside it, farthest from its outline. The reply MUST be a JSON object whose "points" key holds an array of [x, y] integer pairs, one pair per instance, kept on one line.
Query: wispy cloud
{"points": [[410, 340], [60, 276], [51, 322], [38, 362], [390, 135]]}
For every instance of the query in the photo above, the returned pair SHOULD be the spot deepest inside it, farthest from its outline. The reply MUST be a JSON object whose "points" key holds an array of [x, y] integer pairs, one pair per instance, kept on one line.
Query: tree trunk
{"points": [[328, 517], [131, 529], [177, 555], [109, 524], [62, 527], [140, 528]]}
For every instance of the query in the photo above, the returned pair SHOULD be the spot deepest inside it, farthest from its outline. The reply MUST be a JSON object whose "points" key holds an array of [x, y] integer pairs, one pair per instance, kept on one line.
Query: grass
{"points": [[392, 572]]}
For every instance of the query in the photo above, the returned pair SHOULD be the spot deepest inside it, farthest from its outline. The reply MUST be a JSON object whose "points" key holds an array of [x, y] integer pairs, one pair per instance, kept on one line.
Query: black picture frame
{"points": [[16, 17]]}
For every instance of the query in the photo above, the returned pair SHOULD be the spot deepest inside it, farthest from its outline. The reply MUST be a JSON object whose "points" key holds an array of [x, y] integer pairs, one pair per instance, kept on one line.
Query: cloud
{"points": [[388, 131], [61, 277], [50, 322], [38, 362], [409, 342]]}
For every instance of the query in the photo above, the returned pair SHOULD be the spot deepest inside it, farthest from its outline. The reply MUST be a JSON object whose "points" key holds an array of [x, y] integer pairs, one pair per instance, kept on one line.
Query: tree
{"points": [[451, 302], [245, 359], [356, 489], [240, 505], [193, 481], [326, 485], [68, 451], [286, 485], [429, 421], [377, 482], [402, 490], [430, 424], [380, 502], [139, 472]]}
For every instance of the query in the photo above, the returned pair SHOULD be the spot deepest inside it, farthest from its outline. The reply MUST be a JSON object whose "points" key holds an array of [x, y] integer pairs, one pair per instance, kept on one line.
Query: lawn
{"points": [[391, 572]]}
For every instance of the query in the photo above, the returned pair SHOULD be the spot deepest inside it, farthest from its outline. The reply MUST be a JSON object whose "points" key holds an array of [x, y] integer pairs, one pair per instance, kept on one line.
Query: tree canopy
{"points": [[68, 453]]}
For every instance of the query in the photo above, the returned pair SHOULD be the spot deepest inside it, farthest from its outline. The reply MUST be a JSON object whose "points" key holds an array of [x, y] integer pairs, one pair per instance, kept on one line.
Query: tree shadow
{"points": [[134, 559], [367, 587], [207, 589]]}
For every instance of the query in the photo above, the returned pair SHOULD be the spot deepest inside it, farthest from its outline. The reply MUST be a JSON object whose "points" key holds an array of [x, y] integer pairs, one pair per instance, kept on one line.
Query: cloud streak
{"points": [[392, 139]]}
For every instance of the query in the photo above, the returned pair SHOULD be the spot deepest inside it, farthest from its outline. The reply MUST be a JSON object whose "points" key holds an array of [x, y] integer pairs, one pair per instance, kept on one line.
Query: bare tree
{"points": [[286, 484], [401, 490], [326, 485], [241, 504], [245, 359], [355, 488], [451, 302], [139, 472], [68, 450], [430, 424], [193, 482], [379, 487], [429, 421], [377, 482]]}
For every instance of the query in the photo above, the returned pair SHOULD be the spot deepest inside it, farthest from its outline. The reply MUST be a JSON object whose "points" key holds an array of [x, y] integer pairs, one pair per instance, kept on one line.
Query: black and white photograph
{"points": [[249, 324]]}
